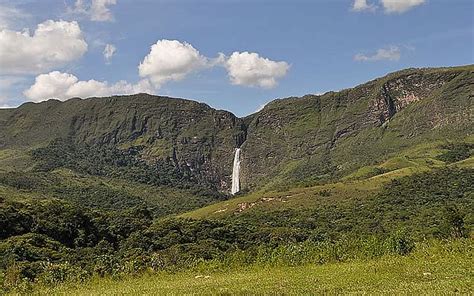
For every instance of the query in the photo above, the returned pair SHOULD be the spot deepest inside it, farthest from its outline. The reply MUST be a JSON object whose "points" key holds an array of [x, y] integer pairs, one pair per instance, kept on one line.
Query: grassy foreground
{"points": [[437, 268]]}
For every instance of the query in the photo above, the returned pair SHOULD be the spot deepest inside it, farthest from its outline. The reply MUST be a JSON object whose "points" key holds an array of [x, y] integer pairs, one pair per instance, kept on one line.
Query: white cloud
{"points": [[63, 86], [249, 69], [400, 6], [100, 12], [53, 44], [96, 10], [361, 5], [391, 53], [168, 60], [52, 85], [171, 60], [390, 6], [109, 52]]}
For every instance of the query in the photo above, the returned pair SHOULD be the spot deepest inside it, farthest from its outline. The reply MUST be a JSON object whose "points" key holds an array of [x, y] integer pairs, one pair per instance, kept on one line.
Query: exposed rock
{"points": [[291, 141]]}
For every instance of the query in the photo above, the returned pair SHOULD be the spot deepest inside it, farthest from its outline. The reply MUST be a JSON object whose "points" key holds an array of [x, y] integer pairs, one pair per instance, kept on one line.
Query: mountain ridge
{"points": [[295, 139]]}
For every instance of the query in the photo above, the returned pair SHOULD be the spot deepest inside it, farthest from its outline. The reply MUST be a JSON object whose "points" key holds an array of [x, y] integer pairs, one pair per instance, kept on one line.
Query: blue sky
{"points": [[235, 55]]}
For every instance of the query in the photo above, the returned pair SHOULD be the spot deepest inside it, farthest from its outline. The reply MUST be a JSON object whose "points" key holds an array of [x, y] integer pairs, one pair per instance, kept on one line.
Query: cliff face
{"points": [[315, 137], [399, 92], [291, 140], [191, 135]]}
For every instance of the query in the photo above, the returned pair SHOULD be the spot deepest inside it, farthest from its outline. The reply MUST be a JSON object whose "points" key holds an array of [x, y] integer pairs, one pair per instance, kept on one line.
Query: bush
{"points": [[456, 152]]}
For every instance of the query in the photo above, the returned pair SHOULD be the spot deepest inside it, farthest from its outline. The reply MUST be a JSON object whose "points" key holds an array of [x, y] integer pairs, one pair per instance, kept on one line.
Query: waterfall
{"points": [[236, 172]]}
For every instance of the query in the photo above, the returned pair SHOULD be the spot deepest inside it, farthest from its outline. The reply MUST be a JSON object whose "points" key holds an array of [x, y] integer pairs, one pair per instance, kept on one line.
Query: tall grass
{"points": [[432, 267]]}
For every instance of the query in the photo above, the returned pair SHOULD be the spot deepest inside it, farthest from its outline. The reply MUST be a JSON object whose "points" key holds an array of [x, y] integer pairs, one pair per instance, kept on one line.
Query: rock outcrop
{"points": [[293, 140]]}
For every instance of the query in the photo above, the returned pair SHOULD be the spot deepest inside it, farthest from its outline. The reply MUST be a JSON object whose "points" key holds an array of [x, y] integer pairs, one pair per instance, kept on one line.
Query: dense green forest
{"points": [[109, 161]]}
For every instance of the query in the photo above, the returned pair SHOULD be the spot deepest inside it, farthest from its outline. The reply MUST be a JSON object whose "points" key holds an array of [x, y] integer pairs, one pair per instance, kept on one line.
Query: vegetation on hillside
{"points": [[305, 140], [316, 139], [110, 187], [456, 152], [109, 161], [56, 240], [435, 268]]}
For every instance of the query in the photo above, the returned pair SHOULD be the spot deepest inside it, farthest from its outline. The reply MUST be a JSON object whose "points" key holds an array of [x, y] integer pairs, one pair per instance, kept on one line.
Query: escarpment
{"points": [[294, 140]]}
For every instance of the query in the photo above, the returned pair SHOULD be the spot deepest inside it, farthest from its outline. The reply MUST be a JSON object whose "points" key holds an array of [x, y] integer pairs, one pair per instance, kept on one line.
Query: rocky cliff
{"points": [[293, 140], [191, 135], [318, 137]]}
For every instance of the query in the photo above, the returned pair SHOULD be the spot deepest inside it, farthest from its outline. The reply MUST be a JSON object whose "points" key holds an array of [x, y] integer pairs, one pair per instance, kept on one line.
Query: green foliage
{"points": [[110, 161], [453, 224], [421, 203], [417, 204], [456, 152], [78, 241], [174, 139], [429, 269], [97, 194], [103, 193]]}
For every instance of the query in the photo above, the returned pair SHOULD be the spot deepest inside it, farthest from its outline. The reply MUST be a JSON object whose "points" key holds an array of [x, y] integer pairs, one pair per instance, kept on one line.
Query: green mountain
{"points": [[291, 141], [127, 184], [188, 136], [313, 138]]}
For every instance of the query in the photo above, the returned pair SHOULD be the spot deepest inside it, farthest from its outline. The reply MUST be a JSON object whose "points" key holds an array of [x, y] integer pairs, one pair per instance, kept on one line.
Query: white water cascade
{"points": [[236, 172]]}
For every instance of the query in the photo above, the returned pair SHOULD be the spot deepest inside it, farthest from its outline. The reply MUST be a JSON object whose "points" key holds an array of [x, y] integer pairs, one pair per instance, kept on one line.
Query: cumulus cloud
{"points": [[171, 60], [168, 60], [361, 5], [95, 10], [400, 6], [250, 69], [391, 53], [62, 86], [109, 52], [53, 44]]}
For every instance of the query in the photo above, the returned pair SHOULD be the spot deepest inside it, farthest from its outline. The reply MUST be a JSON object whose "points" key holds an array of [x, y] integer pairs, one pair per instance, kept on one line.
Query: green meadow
{"points": [[435, 268]]}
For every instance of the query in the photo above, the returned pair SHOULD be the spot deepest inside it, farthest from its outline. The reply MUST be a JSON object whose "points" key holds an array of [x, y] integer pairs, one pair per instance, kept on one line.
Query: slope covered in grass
{"points": [[361, 184], [44, 238], [315, 138], [439, 268]]}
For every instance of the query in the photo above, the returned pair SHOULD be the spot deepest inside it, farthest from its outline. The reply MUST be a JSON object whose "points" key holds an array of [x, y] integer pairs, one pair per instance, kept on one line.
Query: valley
{"points": [[142, 193]]}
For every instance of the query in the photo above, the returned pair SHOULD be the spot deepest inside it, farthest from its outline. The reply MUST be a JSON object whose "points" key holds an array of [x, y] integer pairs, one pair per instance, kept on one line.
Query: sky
{"points": [[233, 55]]}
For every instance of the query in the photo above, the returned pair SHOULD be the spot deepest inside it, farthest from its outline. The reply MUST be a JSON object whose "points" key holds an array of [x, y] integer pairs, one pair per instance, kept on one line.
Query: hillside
{"points": [[438, 269], [315, 138], [128, 185], [186, 135], [291, 141]]}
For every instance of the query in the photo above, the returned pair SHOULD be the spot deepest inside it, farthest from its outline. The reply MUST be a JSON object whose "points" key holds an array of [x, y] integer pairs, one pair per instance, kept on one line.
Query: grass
{"points": [[14, 160], [362, 183], [467, 163], [304, 197], [436, 268]]}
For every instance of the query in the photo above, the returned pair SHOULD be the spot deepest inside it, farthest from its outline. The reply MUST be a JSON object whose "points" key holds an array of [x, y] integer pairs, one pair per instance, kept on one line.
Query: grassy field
{"points": [[305, 197], [437, 268]]}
